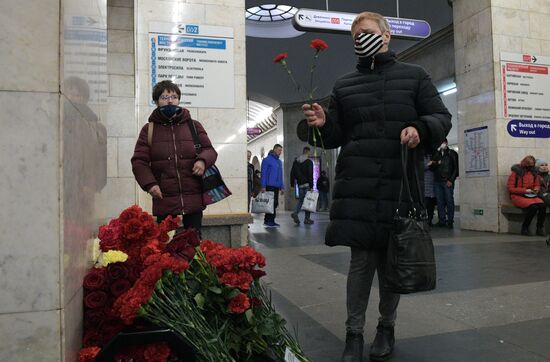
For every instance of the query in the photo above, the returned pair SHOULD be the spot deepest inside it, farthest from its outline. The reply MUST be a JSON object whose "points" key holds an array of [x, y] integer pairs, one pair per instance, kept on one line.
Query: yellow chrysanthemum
{"points": [[112, 256]]}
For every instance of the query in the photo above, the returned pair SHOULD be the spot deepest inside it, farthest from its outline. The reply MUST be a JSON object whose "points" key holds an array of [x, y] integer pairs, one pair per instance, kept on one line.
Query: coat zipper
{"points": [[177, 171]]}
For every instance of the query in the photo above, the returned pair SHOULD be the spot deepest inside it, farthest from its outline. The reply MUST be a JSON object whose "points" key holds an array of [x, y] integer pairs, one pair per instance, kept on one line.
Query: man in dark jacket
{"points": [[323, 185], [301, 174], [250, 177], [445, 166], [373, 111], [272, 180]]}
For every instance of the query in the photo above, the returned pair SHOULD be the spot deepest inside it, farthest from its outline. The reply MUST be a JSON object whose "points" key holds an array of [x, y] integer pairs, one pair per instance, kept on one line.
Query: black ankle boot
{"points": [[540, 231], [354, 348], [382, 346], [525, 231]]}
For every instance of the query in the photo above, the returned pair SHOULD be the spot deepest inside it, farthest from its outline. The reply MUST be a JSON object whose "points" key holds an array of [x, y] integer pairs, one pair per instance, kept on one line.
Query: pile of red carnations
{"points": [[207, 293]]}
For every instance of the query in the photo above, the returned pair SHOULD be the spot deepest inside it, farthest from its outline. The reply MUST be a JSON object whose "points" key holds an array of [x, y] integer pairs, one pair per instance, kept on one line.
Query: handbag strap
{"points": [[405, 184], [194, 134]]}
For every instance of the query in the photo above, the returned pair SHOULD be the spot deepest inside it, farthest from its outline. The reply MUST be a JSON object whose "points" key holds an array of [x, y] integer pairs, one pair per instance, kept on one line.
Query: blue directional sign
{"points": [[528, 128]]}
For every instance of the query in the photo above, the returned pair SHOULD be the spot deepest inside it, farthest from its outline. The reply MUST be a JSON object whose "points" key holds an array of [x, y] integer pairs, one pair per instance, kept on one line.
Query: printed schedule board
{"points": [[525, 86], [198, 58], [476, 152]]}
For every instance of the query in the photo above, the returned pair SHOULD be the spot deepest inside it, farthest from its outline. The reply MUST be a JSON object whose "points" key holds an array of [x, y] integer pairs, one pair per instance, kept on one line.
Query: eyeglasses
{"points": [[167, 98]]}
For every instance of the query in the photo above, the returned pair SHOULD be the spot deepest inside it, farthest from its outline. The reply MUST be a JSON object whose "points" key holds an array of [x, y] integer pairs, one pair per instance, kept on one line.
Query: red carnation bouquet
{"points": [[308, 95], [209, 294]]}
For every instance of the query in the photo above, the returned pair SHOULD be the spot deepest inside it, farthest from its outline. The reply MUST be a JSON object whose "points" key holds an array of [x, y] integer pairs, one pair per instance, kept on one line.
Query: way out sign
{"points": [[529, 129]]}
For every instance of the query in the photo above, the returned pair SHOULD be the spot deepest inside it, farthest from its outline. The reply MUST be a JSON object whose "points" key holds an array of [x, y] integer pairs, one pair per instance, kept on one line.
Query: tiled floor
{"points": [[492, 302]]}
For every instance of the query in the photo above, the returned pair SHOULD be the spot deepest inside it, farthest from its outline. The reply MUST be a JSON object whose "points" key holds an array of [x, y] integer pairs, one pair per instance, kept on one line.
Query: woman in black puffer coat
{"points": [[373, 110], [368, 110]]}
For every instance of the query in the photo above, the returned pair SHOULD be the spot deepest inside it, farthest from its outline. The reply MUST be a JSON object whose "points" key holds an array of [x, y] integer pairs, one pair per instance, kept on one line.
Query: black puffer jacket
{"points": [[368, 110]]}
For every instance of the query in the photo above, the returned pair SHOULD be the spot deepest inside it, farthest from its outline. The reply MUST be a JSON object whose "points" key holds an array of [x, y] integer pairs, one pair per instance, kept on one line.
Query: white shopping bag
{"points": [[263, 203], [310, 201]]}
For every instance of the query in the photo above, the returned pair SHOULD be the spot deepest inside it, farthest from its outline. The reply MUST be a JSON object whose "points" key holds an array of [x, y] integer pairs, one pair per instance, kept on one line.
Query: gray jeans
{"points": [[361, 273]]}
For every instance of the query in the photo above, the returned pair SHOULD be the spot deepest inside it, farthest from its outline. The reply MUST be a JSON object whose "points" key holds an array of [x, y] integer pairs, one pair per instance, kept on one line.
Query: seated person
{"points": [[524, 185]]}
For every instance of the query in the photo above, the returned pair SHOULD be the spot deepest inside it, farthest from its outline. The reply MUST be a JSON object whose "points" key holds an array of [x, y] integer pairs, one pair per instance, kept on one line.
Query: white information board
{"points": [[476, 152], [198, 58], [525, 86]]}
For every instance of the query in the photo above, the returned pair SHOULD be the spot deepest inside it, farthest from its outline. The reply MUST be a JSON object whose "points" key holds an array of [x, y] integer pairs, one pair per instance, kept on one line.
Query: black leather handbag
{"points": [[410, 264]]}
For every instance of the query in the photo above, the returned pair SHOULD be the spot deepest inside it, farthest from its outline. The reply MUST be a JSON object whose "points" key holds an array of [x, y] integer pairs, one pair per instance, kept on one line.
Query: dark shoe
{"points": [[269, 224], [275, 224], [295, 218], [540, 232], [441, 225], [382, 346], [354, 348], [449, 225], [308, 222], [525, 231]]}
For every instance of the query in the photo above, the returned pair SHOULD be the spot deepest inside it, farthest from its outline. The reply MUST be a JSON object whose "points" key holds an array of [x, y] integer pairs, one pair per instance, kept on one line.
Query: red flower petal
{"points": [[318, 44], [280, 57]]}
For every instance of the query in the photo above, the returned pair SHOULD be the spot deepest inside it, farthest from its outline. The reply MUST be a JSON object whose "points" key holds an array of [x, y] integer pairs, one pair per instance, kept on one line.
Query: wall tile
{"points": [[121, 86], [120, 41], [125, 152], [463, 9], [32, 51], [539, 25], [30, 336], [120, 189], [531, 46], [120, 117], [224, 125], [120, 63], [231, 159], [538, 6], [112, 157], [120, 18], [29, 250], [510, 21], [121, 3]]}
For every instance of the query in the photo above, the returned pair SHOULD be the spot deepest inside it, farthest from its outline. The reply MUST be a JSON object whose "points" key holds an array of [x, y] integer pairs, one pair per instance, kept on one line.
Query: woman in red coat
{"points": [[167, 165], [524, 186]]}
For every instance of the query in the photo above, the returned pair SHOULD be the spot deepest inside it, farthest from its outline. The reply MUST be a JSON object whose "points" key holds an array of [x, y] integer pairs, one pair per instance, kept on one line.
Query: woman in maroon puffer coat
{"points": [[168, 167], [524, 185]]}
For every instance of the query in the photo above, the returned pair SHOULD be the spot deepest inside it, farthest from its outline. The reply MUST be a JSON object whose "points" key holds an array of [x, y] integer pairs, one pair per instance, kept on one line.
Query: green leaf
{"points": [[249, 316], [215, 290], [233, 293], [199, 299]]}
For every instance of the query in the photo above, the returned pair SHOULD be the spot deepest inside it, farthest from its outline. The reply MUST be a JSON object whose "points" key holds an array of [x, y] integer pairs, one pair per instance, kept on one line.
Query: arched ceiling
{"points": [[267, 81]]}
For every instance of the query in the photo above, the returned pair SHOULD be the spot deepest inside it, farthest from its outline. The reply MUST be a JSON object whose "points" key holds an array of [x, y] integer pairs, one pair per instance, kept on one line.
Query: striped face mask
{"points": [[366, 45]]}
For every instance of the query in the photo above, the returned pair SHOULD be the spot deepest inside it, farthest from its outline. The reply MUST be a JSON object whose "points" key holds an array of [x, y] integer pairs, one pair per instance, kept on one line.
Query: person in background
{"points": [[272, 180], [167, 166], [323, 185], [257, 183], [542, 169], [429, 192], [524, 185], [250, 177], [371, 134], [445, 164], [301, 174]]}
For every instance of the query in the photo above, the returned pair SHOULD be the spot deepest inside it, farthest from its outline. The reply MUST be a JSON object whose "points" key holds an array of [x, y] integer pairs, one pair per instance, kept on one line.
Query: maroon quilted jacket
{"points": [[169, 163]]}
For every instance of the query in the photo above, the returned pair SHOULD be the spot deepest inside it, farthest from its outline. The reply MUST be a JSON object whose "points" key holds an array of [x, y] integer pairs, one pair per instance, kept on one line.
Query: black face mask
{"points": [[170, 110]]}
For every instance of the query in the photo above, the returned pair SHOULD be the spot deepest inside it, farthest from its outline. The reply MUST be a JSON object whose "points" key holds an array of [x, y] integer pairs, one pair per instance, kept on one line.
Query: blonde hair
{"points": [[380, 20]]}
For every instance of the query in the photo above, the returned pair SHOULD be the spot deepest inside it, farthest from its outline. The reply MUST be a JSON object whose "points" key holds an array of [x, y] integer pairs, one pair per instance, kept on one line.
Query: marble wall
{"points": [[484, 29], [54, 167]]}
